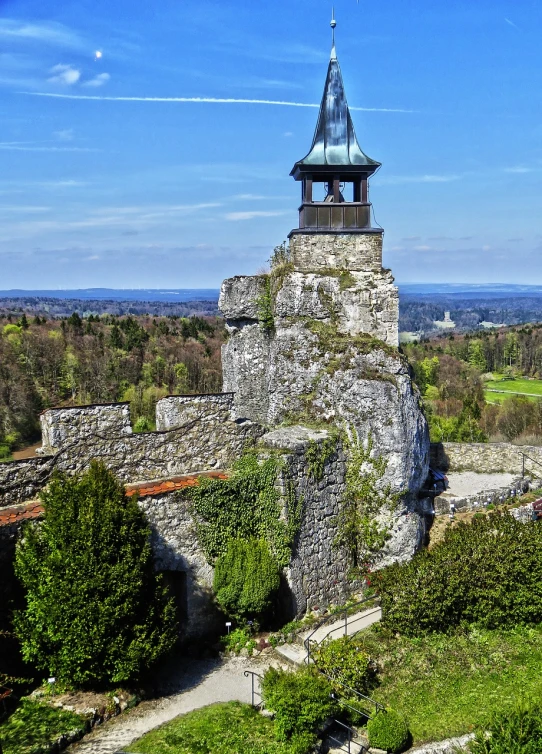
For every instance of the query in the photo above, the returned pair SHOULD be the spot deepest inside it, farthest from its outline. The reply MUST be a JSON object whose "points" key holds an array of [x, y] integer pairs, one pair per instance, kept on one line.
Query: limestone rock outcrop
{"points": [[313, 343]]}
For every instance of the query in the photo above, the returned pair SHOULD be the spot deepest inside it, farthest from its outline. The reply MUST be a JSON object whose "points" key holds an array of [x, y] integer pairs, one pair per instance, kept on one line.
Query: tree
{"points": [[246, 578], [96, 612]]}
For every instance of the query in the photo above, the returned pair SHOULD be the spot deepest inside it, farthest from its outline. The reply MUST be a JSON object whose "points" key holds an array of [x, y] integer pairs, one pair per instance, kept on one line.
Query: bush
{"points": [[238, 639], [388, 730], [300, 701], [96, 612], [487, 573], [345, 663], [246, 579], [516, 732], [34, 727]]}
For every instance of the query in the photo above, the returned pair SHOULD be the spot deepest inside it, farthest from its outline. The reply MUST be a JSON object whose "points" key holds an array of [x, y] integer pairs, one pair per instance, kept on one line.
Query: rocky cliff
{"points": [[315, 342]]}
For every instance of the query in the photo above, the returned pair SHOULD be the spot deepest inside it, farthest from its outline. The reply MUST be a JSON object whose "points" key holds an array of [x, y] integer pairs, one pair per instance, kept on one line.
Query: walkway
{"points": [[296, 653], [201, 683]]}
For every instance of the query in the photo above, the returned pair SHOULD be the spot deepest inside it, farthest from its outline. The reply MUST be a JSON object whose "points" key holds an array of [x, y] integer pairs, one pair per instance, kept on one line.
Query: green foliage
{"points": [[518, 731], [238, 639], [225, 728], [11, 329], [364, 497], [318, 454], [143, 424], [96, 612], [455, 429], [488, 573], [265, 305], [345, 663], [34, 727], [246, 578], [281, 255], [301, 700], [388, 730], [247, 505]]}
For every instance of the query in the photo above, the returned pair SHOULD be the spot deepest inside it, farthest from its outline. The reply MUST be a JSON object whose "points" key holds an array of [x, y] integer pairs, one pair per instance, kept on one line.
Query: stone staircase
{"points": [[296, 654]]}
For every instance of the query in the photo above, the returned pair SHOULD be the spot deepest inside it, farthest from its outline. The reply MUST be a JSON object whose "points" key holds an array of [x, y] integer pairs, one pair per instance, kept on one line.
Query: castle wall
{"points": [[208, 440], [486, 457], [350, 251], [60, 426], [175, 410]]}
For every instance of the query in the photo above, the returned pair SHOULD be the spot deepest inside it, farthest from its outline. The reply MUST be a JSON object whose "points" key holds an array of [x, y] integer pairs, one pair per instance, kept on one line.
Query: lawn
{"points": [[33, 727], [225, 728], [446, 685], [531, 387]]}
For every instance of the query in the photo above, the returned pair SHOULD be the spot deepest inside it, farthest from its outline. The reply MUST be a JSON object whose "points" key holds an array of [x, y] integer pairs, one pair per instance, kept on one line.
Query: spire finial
{"points": [[333, 24]]}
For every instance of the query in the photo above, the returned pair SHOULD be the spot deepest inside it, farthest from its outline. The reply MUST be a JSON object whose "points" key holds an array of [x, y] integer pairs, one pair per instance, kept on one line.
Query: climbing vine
{"points": [[365, 497], [281, 266], [318, 454], [247, 505]]}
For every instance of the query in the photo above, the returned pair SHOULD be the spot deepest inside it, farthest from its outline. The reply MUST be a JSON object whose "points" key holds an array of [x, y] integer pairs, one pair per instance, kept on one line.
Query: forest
{"points": [[482, 386], [72, 361]]}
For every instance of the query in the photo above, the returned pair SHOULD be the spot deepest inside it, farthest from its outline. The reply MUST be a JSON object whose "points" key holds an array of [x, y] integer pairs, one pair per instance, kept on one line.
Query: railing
{"points": [[523, 457], [350, 733], [254, 691], [334, 617], [344, 628]]}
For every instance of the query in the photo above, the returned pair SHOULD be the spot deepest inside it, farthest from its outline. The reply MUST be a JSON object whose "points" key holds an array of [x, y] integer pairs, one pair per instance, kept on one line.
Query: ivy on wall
{"points": [[365, 497], [272, 282], [247, 505], [318, 454]]}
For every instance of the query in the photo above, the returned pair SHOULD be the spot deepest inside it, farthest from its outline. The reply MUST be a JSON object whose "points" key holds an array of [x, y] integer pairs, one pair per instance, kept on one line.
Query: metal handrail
{"points": [[254, 692], [333, 617], [524, 456], [362, 747]]}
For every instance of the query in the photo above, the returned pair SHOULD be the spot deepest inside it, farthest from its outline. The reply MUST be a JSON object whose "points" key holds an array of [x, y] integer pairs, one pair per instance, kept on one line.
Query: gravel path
{"points": [[200, 683]]}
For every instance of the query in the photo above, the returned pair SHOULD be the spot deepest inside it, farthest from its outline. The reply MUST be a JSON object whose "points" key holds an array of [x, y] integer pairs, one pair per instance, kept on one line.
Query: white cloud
{"points": [[64, 74], [65, 134], [46, 33], [399, 179], [30, 147], [99, 80], [518, 169], [253, 214]]}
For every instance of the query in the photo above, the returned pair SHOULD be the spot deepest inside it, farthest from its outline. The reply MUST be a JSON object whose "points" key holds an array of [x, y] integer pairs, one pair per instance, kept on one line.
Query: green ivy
{"points": [[364, 497], [318, 454], [246, 579], [265, 305], [247, 505]]}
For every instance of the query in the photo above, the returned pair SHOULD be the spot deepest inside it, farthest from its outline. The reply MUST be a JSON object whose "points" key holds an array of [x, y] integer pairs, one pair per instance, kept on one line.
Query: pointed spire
{"points": [[333, 24], [334, 141]]}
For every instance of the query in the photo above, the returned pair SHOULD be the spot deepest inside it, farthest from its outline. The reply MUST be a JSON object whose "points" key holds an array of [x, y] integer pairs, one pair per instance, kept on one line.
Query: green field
{"points": [[446, 685], [496, 391]]}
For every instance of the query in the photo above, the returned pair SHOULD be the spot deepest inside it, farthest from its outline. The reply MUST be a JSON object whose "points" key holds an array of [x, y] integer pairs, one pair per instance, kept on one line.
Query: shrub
{"points": [[345, 663], [96, 612], [34, 727], [388, 730], [516, 732], [487, 573], [300, 701], [246, 578], [238, 639]]}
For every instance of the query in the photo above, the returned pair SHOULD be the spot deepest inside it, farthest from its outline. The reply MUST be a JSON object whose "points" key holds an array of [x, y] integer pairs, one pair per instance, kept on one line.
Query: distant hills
{"points": [[172, 295]]}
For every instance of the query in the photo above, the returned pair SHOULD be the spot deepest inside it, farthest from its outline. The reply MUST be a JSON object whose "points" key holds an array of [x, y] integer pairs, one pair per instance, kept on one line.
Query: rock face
{"points": [[316, 341]]}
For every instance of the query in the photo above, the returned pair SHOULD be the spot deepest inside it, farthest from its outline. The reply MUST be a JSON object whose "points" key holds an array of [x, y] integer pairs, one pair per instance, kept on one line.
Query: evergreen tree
{"points": [[96, 612]]}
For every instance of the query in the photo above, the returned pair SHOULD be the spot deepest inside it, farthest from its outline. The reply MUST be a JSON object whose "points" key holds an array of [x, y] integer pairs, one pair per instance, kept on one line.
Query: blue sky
{"points": [[154, 193]]}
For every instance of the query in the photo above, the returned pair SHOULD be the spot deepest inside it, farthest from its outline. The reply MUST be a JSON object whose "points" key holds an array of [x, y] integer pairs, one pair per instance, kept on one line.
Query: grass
{"points": [[520, 385], [446, 685], [225, 728], [33, 727]]}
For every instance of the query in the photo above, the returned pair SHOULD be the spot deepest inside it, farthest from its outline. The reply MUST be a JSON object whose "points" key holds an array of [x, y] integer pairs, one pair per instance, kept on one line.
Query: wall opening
{"points": [[177, 583]]}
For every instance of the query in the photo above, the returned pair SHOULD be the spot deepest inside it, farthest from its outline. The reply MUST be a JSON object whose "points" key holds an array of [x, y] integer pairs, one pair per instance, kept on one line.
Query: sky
{"points": [[130, 156]]}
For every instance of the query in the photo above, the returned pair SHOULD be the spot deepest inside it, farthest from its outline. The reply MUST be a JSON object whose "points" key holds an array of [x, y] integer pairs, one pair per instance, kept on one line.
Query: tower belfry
{"points": [[335, 173]]}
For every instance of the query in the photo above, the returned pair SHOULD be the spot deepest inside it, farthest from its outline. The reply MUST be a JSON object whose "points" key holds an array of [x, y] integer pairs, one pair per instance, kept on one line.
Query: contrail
{"points": [[212, 100]]}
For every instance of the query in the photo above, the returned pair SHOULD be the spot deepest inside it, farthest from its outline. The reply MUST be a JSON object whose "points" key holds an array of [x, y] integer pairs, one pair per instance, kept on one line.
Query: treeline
{"points": [[417, 314], [58, 307], [451, 370], [71, 361]]}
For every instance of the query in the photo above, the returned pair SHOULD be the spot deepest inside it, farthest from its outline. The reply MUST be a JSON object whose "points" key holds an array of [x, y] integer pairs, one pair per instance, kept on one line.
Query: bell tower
{"points": [[335, 173]]}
